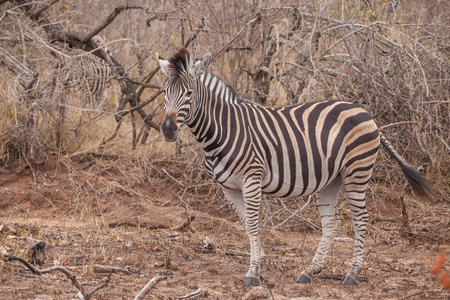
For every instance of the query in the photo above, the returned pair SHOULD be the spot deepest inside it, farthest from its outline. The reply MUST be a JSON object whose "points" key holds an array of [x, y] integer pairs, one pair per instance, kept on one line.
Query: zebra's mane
{"points": [[215, 84], [179, 64], [180, 61]]}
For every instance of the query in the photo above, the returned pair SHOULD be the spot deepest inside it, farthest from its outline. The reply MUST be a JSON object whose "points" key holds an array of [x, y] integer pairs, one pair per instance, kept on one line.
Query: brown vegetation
{"points": [[63, 155]]}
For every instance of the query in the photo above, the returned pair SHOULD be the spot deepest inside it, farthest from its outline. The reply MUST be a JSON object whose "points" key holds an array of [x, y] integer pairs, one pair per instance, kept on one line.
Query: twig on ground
{"points": [[236, 253], [341, 277], [191, 295], [173, 178], [294, 213], [72, 277], [105, 269], [413, 295], [151, 284], [227, 252], [187, 225]]}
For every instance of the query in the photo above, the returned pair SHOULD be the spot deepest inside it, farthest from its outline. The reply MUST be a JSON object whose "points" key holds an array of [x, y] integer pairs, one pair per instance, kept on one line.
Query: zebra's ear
{"points": [[199, 68], [164, 64]]}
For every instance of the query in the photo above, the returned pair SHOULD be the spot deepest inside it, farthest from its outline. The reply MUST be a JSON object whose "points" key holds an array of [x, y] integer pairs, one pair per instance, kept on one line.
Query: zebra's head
{"points": [[180, 90]]}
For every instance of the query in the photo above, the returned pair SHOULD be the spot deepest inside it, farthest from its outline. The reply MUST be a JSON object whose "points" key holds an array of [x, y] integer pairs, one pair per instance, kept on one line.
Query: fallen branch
{"points": [[128, 270], [151, 284], [171, 177], [187, 225], [80, 286], [191, 295], [414, 295], [106, 269], [340, 277], [236, 253], [227, 252]]}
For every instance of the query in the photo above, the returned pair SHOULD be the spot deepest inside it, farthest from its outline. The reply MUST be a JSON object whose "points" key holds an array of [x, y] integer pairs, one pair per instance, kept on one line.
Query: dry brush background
{"points": [[390, 57]]}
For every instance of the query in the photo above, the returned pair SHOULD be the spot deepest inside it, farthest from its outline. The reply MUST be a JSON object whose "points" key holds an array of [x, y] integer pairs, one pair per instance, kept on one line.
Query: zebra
{"points": [[290, 151], [86, 71]]}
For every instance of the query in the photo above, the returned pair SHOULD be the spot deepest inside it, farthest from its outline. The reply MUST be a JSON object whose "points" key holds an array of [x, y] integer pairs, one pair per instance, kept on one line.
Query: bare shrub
{"points": [[391, 58]]}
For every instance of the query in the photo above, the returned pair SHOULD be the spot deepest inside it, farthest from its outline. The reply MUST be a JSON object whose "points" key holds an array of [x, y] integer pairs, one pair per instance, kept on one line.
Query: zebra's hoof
{"points": [[252, 281], [303, 278], [349, 280]]}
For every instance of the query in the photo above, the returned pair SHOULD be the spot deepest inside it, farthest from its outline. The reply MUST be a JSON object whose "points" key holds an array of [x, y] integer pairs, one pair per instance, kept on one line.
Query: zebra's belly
{"points": [[288, 184], [288, 187]]}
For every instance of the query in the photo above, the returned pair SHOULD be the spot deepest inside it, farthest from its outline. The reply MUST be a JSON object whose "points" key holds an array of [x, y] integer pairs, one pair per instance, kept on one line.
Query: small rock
{"points": [[8, 227], [3, 250], [207, 244], [36, 250], [257, 293]]}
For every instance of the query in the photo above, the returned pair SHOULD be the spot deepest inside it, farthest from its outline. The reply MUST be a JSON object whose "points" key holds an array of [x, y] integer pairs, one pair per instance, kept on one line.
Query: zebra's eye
{"points": [[189, 93]]}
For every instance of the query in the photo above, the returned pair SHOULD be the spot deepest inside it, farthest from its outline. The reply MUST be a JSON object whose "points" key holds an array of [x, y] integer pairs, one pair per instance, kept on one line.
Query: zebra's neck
{"points": [[218, 88], [212, 110]]}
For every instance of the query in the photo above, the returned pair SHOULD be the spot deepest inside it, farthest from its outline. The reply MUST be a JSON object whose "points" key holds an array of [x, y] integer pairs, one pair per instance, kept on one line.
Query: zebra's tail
{"points": [[420, 184]]}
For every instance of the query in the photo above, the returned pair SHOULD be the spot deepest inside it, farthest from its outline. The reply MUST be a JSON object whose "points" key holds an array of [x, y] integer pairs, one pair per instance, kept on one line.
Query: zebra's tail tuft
{"points": [[420, 184]]}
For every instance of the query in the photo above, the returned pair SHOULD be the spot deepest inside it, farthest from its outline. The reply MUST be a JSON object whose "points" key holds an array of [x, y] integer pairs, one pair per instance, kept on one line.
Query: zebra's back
{"points": [[305, 146]]}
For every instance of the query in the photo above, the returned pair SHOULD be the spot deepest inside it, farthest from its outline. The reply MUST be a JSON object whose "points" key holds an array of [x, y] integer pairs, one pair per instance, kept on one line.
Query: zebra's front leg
{"points": [[236, 197], [327, 200], [252, 200]]}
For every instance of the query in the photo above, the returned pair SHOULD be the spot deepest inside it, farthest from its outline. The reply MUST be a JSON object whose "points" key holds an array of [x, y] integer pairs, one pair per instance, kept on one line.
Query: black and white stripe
{"points": [[289, 151], [86, 72]]}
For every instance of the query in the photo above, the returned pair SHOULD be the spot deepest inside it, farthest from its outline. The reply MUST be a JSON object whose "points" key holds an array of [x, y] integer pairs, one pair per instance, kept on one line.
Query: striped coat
{"points": [[84, 72]]}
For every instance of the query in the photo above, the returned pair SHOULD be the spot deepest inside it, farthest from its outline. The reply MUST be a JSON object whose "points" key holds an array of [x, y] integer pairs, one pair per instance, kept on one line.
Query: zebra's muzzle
{"points": [[169, 128]]}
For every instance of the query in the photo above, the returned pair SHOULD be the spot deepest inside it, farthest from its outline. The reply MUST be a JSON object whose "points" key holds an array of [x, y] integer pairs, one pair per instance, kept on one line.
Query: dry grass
{"points": [[142, 252]]}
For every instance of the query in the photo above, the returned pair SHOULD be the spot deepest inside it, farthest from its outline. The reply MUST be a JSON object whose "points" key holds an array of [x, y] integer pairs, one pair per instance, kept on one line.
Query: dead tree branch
{"points": [[108, 21], [116, 131], [79, 285], [234, 38], [44, 7]]}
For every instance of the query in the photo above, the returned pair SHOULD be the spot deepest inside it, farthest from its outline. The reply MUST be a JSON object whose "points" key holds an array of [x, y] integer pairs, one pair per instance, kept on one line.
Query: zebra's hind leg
{"points": [[327, 201], [356, 198]]}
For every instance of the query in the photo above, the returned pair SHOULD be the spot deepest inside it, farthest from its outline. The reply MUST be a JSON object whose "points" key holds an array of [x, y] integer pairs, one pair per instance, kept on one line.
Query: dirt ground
{"points": [[91, 223]]}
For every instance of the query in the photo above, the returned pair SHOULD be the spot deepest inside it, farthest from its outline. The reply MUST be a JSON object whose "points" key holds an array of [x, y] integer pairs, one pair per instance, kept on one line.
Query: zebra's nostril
{"points": [[169, 125], [169, 129]]}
